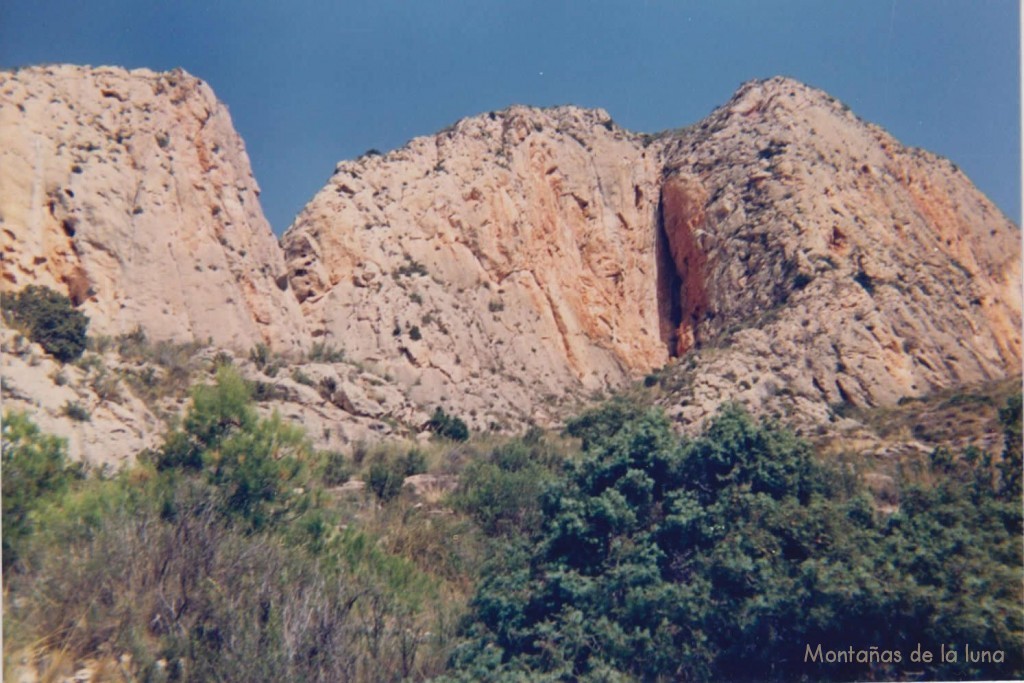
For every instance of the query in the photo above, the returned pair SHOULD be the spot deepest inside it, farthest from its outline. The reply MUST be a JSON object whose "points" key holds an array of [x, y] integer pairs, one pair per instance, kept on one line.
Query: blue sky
{"points": [[309, 83]]}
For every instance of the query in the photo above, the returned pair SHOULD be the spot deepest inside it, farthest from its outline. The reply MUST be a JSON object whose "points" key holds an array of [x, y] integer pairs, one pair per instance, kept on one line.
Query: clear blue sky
{"points": [[310, 82]]}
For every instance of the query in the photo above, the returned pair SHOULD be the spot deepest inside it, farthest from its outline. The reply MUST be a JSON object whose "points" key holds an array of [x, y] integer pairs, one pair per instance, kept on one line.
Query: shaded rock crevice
{"points": [[670, 286], [682, 276]]}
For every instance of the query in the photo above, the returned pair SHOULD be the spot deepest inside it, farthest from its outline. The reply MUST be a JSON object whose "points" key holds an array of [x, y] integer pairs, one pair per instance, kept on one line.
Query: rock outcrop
{"points": [[502, 266], [131, 192], [837, 265], [103, 423], [795, 255], [781, 253]]}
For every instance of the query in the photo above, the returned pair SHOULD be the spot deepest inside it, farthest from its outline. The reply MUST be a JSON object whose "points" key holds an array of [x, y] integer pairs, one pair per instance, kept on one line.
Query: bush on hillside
{"points": [[252, 460], [50, 320], [213, 560], [722, 558], [387, 474], [502, 491], [448, 426], [160, 576], [35, 469]]}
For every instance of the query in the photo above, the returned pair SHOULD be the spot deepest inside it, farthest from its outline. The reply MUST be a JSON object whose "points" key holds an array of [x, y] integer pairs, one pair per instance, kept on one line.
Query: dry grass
{"points": [[183, 593]]}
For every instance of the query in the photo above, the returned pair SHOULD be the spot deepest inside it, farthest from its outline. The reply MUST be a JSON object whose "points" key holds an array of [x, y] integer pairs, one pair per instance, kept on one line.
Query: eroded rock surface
{"points": [[838, 265], [131, 192], [503, 266], [793, 254], [781, 253], [103, 423]]}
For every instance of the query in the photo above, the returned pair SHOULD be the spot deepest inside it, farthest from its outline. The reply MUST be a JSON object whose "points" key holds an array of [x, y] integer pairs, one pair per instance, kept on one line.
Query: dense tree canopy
{"points": [[725, 557]]}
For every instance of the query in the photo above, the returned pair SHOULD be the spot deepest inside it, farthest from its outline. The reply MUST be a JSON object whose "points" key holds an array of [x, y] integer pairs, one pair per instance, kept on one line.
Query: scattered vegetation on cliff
{"points": [[448, 426], [49, 319]]}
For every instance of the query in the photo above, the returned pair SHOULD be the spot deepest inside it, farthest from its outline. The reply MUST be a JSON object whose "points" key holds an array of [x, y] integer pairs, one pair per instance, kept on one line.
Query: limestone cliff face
{"points": [[835, 264], [781, 253], [131, 192], [794, 256], [501, 266]]}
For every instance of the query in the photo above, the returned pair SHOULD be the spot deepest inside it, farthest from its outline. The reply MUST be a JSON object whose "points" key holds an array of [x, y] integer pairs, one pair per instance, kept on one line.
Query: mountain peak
{"points": [[772, 219], [781, 253], [131, 191]]}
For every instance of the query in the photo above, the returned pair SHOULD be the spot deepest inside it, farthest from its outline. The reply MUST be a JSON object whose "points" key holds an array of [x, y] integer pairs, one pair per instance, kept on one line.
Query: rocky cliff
{"points": [[793, 254], [131, 192], [833, 264], [500, 266], [781, 253]]}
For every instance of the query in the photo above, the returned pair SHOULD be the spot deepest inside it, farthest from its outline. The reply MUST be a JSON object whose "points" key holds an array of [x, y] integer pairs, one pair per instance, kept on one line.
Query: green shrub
{"points": [[255, 469], [106, 385], [223, 358], [1010, 464], [302, 378], [208, 562], [133, 344], [413, 462], [325, 352], [410, 268], [600, 423], [76, 411], [160, 577], [35, 469], [384, 480], [263, 392], [266, 361], [253, 461], [502, 492], [50, 320], [178, 363], [219, 409], [721, 558], [100, 344], [260, 355], [448, 426], [335, 468], [387, 474]]}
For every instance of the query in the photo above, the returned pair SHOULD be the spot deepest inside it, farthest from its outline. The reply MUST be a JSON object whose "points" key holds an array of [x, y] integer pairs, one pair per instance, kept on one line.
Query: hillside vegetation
{"points": [[615, 551]]}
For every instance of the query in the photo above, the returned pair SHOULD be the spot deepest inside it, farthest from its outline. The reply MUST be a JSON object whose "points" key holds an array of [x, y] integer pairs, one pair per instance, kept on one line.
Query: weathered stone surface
{"points": [[118, 425], [337, 403], [837, 266], [781, 253], [795, 255], [131, 192], [498, 267]]}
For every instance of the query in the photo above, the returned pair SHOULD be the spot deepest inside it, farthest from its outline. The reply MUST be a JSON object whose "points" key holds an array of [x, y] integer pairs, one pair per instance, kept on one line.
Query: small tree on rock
{"points": [[49, 319]]}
